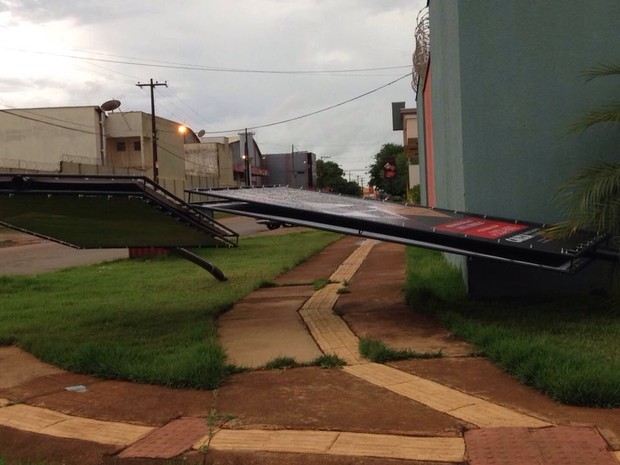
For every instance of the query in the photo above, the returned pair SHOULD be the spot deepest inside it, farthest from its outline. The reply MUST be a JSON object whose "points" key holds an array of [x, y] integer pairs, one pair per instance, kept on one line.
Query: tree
{"points": [[593, 195], [330, 176], [389, 172]]}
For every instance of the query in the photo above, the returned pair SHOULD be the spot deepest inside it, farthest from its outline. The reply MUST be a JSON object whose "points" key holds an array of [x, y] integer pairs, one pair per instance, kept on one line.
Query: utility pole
{"points": [[245, 156], [152, 85], [291, 174], [248, 174]]}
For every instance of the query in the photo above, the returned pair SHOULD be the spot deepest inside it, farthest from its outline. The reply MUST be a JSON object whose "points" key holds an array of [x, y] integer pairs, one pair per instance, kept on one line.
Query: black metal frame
{"points": [[115, 185], [111, 186], [567, 256]]}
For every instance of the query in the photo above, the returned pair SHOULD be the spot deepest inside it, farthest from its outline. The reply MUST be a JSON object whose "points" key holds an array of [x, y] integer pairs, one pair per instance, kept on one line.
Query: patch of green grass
{"points": [[323, 361], [321, 283], [566, 348], [150, 321], [281, 363], [378, 352], [329, 361]]}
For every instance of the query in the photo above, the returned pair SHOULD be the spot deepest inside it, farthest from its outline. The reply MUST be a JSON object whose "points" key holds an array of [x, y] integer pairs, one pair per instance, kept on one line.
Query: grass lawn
{"points": [[566, 348], [149, 321]]}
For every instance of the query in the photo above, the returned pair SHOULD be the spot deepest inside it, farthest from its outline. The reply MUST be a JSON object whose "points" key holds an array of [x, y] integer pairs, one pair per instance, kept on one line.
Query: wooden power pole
{"points": [[152, 85]]}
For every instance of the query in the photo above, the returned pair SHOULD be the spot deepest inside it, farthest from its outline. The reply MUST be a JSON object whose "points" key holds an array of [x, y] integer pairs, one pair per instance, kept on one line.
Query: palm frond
{"points": [[608, 114], [602, 70], [593, 199]]}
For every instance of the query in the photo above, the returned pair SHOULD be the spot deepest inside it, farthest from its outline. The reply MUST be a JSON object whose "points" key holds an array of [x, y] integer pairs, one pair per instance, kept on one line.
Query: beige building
{"points": [[410, 143], [208, 164], [38, 139], [87, 140]]}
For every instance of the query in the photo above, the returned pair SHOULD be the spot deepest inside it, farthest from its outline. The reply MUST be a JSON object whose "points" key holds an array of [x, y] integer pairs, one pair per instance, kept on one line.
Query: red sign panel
{"points": [[389, 169], [481, 227]]}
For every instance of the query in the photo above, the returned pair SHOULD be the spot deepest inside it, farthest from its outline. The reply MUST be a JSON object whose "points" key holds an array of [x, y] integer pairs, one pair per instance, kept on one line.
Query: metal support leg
{"points": [[192, 257]]}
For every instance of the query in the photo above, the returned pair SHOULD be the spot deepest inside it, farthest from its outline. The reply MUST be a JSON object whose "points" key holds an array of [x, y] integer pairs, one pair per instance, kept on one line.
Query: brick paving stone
{"points": [[169, 441], [442, 398], [350, 266], [314, 442], [51, 423], [399, 447], [561, 445], [337, 443]]}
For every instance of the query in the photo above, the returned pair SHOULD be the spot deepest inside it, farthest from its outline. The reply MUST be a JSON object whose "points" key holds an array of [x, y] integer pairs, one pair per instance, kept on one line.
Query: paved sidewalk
{"points": [[164, 424]]}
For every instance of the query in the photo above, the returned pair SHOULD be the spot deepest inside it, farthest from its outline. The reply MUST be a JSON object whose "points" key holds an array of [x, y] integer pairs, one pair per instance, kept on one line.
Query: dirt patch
{"points": [[21, 447], [321, 265], [375, 307], [315, 398]]}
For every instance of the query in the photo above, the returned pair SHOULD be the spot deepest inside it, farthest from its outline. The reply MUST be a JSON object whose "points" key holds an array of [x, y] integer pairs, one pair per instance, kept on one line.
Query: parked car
{"points": [[272, 224]]}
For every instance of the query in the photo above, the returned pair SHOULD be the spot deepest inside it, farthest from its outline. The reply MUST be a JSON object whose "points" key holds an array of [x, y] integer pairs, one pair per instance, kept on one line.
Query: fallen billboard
{"points": [[456, 232]]}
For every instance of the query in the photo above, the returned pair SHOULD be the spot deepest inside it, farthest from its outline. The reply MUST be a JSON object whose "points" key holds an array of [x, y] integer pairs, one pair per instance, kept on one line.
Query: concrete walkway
{"points": [[302, 324]]}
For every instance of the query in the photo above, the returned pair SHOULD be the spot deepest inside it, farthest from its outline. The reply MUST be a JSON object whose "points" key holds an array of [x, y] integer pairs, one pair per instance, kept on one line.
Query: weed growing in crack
{"points": [[377, 351]]}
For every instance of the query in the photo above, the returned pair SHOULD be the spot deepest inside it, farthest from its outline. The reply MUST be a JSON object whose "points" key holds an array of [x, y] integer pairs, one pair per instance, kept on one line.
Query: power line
{"points": [[314, 112], [172, 65], [288, 120]]}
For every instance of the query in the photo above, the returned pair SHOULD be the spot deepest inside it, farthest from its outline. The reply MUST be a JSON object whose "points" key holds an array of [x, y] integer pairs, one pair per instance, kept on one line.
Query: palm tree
{"points": [[593, 195]]}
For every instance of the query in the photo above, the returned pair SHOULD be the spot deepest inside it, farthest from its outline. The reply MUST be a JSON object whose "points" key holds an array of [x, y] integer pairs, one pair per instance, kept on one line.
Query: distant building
{"points": [[208, 164], [406, 120], [235, 145], [293, 169], [87, 140]]}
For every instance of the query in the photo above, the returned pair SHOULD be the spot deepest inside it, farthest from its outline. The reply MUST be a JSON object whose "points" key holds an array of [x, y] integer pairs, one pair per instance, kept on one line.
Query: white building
{"points": [[87, 140]]}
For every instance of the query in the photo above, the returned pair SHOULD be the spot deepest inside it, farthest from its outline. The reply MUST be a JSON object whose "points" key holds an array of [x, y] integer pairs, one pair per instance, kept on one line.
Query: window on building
{"points": [[120, 146], [136, 146]]}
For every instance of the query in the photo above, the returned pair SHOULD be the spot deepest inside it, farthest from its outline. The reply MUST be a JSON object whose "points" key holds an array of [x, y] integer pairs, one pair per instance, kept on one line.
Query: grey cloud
{"points": [[85, 12]]}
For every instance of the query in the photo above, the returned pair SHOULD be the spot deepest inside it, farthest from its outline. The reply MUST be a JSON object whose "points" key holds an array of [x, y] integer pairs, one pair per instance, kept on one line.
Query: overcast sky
{"points": [[72, 53]]}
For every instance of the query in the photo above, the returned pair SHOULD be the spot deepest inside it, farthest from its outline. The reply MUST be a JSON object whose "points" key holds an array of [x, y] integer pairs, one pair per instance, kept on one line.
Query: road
{"points": [[30, 255]]}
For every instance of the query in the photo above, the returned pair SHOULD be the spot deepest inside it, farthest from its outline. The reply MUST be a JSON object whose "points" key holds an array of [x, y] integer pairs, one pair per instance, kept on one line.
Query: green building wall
{"points": [[507, 85]]}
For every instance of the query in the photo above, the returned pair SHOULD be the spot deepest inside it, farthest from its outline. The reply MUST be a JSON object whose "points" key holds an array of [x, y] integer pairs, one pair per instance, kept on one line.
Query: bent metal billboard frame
{"points": [[469, 234]]}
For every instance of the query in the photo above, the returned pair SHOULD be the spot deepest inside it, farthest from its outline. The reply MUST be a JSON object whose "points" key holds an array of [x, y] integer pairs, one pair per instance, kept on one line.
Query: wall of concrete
{"points": [[40, 137], [209, 165], [201, 159], [133, 126]]}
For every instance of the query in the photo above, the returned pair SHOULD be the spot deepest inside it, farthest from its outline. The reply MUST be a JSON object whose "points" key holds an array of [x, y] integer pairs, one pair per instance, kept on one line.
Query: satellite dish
{"points": [[110, 105], [201, 133]]}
